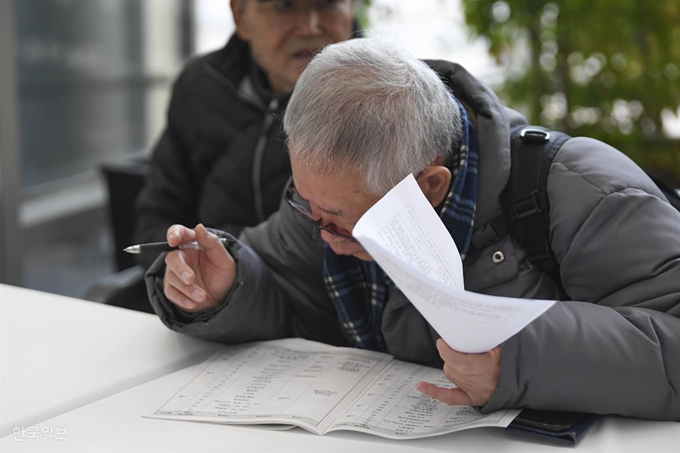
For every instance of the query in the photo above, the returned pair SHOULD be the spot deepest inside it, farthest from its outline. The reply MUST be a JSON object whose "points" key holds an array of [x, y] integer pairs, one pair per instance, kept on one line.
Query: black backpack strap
{"points": [[533, 150], [525, 206]]}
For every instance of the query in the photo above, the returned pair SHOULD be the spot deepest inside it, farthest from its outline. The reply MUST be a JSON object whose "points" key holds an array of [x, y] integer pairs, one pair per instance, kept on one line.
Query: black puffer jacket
{"points": [[222, 159]]}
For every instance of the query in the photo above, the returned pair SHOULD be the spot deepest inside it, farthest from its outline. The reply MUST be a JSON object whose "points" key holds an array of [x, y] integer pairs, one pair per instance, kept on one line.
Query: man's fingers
{"points": [[467, 364], [214, 250], [450, 396], [177, 234], [207, 239], [192, 292], [197, 279], [448, 354], [177, 297], [175, 262]]}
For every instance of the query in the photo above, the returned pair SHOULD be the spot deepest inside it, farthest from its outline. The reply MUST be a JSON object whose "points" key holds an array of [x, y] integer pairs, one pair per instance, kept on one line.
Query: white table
{"points": [[59, 353], [85, 372], [115, 424]]}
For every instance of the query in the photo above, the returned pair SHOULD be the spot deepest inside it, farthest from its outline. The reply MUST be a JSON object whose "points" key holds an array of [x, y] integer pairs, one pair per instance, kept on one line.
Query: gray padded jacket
{"points": [[612, 348]]}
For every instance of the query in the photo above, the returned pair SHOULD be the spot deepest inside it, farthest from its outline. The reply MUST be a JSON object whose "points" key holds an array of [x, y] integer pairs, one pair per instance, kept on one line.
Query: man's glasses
{"points": [[292, 197]]}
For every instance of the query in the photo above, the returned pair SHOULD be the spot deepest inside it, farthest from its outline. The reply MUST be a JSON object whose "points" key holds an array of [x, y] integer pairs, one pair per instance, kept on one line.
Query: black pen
{"points": [[158, 247]]}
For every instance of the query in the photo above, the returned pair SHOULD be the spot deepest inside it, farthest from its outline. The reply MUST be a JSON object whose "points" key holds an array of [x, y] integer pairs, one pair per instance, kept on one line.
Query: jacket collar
{"points": [[234, 66], [494, 122], [232, 61]]}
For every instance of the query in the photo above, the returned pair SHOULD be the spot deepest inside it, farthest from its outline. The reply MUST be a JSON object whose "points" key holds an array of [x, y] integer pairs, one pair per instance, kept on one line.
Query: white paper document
{"points": [[321, 388], [404, 234]]}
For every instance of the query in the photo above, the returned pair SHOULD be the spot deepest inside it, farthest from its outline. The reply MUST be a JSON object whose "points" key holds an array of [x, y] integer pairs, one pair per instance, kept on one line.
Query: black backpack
{"points": [[525, 205]]}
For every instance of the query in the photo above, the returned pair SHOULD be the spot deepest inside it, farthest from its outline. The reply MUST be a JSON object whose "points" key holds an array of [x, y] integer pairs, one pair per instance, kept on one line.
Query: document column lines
{"points": [[352, 388], [381, 400], [238, 376], [402, 382], [283, 385], [209, 388]]}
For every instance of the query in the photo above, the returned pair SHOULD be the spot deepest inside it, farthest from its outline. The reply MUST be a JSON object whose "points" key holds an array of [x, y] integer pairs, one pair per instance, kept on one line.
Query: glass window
{"points": [[90, 74]]}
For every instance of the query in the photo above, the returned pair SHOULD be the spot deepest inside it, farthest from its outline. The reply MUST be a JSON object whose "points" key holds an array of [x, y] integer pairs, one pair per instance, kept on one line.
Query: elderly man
{"points": [[364, 115], [222, 158]]}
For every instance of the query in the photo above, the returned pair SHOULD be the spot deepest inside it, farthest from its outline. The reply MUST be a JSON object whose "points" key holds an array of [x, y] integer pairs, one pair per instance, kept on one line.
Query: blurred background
{"points": [[84, 85]]}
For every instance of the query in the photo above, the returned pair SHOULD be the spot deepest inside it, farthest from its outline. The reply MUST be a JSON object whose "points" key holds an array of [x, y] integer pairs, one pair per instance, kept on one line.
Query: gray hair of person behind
{"points": [[367, 107]]}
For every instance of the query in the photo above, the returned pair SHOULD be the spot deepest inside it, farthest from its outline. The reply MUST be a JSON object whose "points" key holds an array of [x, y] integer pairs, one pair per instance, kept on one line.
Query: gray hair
{"points": [[369, 108]]}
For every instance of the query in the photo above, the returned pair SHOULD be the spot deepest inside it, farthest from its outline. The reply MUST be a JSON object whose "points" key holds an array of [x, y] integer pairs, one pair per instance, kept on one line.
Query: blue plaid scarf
{"points": [[358, 288]]}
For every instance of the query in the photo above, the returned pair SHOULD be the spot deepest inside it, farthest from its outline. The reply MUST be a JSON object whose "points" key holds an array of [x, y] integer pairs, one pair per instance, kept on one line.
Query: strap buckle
{"points": [[526, 206], [534, 135], [539, 252]]}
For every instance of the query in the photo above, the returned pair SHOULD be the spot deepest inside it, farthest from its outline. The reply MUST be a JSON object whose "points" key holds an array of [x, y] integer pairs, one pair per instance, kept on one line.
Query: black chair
{"points": [[125, 180], [126, 287]]}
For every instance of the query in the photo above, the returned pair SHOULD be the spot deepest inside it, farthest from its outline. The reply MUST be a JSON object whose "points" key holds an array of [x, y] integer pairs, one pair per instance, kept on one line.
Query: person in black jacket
{"points": [[222, 159]]}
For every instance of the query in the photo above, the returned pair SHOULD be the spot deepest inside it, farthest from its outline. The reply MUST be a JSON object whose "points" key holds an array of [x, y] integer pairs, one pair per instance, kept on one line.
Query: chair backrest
{"points": [[125, 180]]}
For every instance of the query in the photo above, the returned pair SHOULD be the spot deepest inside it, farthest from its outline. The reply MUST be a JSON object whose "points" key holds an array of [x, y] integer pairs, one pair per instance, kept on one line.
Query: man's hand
{"points": [[476, 376], [196, 280]]}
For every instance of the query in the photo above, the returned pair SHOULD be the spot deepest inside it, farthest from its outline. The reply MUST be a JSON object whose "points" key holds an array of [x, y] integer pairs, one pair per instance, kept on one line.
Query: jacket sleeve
{"points": [[285, 297], [615, 349]]}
